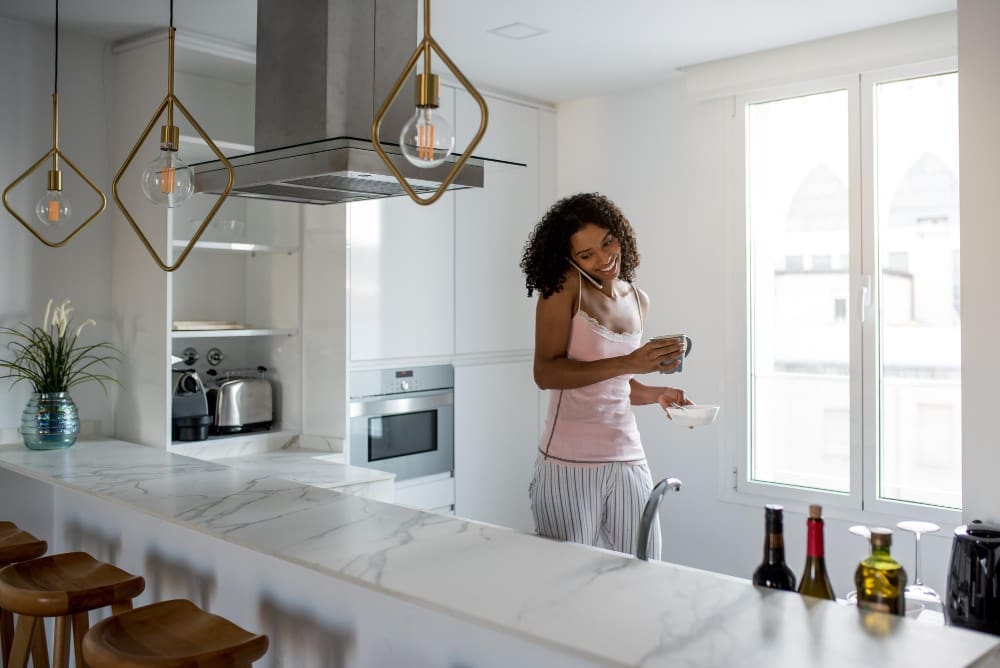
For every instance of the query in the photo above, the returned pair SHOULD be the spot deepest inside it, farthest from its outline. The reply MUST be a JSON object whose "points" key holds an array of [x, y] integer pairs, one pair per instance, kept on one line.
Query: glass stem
{"points": [[916, 560]]}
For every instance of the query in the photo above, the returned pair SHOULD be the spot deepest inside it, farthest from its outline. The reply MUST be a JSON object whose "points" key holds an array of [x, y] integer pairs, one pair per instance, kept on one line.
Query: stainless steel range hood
{"points": [[329, 171], [323, 69]]}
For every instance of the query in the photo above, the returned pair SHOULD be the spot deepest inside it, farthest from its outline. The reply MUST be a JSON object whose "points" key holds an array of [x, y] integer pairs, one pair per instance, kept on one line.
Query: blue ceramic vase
{"points": [[50, 421]]}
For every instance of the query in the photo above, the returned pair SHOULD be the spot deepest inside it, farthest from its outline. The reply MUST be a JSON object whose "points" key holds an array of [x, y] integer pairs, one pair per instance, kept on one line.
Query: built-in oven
{"points": [[403, 420]]}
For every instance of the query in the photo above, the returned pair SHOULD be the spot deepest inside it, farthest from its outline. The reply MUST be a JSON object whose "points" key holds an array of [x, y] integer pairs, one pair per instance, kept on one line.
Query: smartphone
{"points": [[596, 283]]}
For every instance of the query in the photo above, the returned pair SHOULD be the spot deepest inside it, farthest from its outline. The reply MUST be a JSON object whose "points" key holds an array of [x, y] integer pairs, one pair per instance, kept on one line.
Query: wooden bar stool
{"points": [[65, 586], [171, 634], [15, 545]]}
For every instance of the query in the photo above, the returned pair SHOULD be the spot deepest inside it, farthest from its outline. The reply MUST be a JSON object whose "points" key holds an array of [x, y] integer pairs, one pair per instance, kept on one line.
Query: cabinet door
{"points": [[493, 313], [511, 133], [496, 439], [402, 278], [547, 192]]}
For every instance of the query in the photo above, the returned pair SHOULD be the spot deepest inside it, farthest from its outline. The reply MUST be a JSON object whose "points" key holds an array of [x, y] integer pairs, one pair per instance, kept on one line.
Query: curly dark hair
{"points": [[546, 254]]}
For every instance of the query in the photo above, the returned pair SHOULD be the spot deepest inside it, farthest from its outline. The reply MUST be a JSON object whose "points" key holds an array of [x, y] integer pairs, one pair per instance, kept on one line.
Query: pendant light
{"points": [[427, 139], [53, 209], [167, 180]]}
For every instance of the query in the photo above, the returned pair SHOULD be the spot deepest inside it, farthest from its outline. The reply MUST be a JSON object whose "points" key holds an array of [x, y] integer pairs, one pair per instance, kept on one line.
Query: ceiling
{"points": [[590, 47]]}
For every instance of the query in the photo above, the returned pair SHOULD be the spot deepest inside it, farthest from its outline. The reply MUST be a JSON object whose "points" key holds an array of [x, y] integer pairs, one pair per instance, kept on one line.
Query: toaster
{"points": [[241, 404]]}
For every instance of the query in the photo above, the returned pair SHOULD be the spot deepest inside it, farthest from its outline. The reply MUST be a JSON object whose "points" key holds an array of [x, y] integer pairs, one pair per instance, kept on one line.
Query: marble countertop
{"points": [[607, 607], [310, 467]]}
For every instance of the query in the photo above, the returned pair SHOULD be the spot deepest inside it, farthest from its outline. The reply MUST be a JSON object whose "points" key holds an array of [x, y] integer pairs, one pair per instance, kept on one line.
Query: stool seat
{"points": [[18, 545], [171, 634], [65, 584]]}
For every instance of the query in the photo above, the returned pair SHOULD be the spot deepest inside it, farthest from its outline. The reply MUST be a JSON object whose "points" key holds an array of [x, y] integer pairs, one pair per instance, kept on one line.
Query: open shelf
{"points": [[229, 333], [236, 247], [250, 437]]}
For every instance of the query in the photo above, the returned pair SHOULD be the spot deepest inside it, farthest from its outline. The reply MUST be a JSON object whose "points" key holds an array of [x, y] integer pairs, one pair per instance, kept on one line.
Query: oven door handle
{"points": [[400, 405]]}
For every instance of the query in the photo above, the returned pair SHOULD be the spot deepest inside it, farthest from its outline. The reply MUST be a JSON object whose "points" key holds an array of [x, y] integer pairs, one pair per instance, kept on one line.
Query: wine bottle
{"points": [[815, 580], [773, 572], [880, 579]]}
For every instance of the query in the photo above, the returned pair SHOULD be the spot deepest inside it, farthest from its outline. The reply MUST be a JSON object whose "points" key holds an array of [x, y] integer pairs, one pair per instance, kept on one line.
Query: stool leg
{"points": [[39, 651], [22, 641], [60, 649], [6, 635], [81, 624], [119, 607]]}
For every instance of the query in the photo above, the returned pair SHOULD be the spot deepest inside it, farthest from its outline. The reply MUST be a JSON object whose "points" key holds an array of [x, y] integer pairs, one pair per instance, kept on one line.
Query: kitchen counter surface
{"points": [[317, 469], [604, 608]]}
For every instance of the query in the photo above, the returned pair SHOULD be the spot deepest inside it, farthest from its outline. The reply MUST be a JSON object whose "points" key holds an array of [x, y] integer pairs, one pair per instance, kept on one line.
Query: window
{"points": [[860, 404], [840, 308], [898, 261]]}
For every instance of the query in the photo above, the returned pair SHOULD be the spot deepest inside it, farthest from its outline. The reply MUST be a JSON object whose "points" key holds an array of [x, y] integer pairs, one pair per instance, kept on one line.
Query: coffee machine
{"points": [[189, 409], [973, 598]]}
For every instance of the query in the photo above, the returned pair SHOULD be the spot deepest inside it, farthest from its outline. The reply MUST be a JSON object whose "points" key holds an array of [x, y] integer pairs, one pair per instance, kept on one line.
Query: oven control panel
{"points": [[401, 386], [378, 382]]}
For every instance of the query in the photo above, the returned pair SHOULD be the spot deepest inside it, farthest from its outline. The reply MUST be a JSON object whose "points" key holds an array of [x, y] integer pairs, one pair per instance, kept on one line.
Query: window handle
{"points": [[866, 294]]}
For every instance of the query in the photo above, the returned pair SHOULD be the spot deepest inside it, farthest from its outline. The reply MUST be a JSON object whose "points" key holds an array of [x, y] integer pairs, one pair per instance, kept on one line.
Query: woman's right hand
{"points": [[657, 355]]}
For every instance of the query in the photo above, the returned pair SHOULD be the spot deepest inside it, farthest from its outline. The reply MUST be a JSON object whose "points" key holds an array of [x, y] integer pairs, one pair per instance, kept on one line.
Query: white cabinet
{"points": [[444, 282], [547, 191], [402, 274], [401, 278], [435, 493], [496, 440], [491, 226]]}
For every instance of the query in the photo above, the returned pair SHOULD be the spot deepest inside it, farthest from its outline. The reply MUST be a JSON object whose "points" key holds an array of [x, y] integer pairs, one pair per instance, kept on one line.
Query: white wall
{"points": [[660, 152], [979, 100], [30, 273]]}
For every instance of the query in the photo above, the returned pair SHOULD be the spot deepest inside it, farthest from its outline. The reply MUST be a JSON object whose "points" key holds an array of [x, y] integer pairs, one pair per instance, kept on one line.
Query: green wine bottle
{"points": [[880, 579], [815, 580]]}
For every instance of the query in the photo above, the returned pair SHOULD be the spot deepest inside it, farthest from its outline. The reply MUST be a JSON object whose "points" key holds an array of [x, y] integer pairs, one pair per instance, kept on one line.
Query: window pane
{"points": [[798, 203], [916, 145]]}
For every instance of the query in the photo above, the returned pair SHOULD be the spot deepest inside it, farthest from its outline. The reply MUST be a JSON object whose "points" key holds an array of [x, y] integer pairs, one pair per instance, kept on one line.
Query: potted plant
{"points": [[52, 360]]}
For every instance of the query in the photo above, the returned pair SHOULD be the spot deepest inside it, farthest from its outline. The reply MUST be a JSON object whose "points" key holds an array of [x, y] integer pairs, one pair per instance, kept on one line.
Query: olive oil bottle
{"points": [[880, 579], [773, 572], [815, 580]]}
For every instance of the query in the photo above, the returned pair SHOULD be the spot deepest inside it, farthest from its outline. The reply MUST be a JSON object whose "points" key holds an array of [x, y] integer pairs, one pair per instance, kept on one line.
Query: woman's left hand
{"points": [[671, 396]]}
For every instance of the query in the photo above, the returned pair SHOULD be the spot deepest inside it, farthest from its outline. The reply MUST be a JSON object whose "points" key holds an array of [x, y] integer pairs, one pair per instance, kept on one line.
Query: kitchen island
{"points": [[341, 580]]}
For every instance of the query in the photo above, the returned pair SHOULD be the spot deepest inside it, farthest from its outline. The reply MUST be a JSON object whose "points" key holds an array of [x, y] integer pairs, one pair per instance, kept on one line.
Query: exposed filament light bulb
{"points": [[167, 179], [427, 139], [53, 208]]}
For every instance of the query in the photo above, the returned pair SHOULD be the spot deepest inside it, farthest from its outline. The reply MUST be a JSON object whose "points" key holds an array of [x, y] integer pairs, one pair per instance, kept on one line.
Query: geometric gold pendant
{"points": [[59, 154], [170, 98], [427, 45]]}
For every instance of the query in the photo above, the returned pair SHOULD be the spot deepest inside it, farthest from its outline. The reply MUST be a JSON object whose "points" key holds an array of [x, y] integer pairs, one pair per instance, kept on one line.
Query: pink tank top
{"points": [[595, 423]]}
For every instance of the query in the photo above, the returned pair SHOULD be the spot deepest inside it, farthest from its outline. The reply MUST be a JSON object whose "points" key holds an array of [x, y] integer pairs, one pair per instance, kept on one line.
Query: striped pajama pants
{"points": [[583, 504]]}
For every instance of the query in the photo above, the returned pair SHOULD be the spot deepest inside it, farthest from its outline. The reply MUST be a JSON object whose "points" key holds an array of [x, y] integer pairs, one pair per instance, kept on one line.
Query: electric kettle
{"points": [[973, 597]]}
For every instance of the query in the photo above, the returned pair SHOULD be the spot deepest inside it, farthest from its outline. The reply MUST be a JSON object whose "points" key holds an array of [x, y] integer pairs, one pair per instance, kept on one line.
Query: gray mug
{"points": [[688, 344]]}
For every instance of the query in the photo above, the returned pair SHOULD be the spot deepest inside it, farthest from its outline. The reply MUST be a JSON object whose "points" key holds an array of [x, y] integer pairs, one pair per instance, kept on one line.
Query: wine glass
{"points": [[918, 591]]}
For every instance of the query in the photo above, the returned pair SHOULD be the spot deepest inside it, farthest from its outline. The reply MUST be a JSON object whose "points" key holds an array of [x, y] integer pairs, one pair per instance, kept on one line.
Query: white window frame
{"points": [[861, 503]]}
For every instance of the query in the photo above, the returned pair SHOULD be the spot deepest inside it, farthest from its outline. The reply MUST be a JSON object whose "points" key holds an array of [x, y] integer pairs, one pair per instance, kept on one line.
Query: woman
{"points": [[591, 477]]}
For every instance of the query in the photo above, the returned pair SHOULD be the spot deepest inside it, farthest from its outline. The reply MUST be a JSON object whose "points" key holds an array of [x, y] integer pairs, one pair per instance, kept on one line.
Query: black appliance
{"points": [[189, 409], [973, 598]]}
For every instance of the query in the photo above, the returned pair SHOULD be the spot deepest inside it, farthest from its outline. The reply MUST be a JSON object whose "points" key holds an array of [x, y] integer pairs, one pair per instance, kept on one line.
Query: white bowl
{"points": [[694, 415]]}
